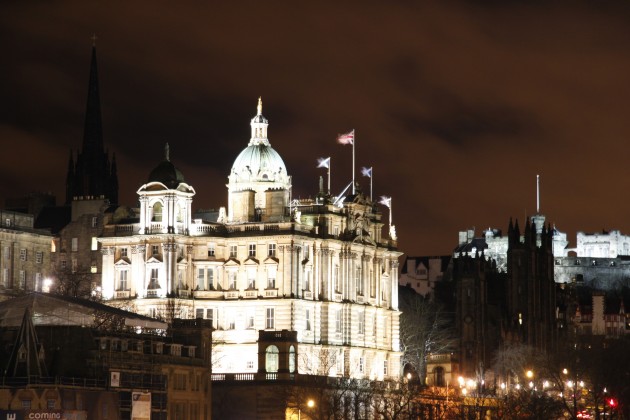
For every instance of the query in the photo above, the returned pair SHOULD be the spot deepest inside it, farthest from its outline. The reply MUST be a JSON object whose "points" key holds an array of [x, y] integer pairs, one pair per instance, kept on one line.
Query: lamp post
{"points": [[310, 404]]}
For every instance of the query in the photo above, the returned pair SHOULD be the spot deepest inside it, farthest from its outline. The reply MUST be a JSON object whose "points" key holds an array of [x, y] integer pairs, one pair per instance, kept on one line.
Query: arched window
{"points": [[291, 359], [272, 358], [157, 212], [438, 376]]}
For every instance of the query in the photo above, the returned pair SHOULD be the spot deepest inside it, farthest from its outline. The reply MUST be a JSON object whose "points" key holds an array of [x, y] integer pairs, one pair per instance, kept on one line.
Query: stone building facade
{"points": [[267, 263]]}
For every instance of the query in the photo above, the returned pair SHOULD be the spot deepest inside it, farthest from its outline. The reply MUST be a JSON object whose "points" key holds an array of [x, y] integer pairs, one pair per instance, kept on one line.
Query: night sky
{"points": [[456, 105]]}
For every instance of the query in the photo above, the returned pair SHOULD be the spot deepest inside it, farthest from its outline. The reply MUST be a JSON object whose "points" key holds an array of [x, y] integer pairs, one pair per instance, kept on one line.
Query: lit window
{"points": [[232, 280], [269, 323], [122, 280], [291, 359], [271, 278], [94, 221], [75, 244], [211, 250], [153, 283], [7, 222], [307, 316], [251, 278], [249, 319], [233, 250], [338, 320], [271, 250], [94, 243], [252, 250], [93, 269], [38, 282], [272, 356]]}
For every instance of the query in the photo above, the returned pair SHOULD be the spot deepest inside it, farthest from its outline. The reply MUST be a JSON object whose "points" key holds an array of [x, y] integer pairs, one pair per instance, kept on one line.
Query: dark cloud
{"points": [[457, 105]]}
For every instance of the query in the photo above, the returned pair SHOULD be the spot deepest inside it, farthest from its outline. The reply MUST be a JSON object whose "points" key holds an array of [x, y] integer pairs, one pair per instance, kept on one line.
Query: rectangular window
{"points": [[359, 281], [123, 252], [361, 364], [250, 364], [306, 252], [210, 315], [155, 249], [75, 265], [336, 231], [361, 323], [249, 319], [22, 279], [199, 313], [338, 320], [233, 251], [94, 243], [22, 254], [271, 278], [7, 222], [252, 250], [271, 250], [153, 282], [232, 280], [75, 244], [5, 277], [307, 280], [231, 321], [122, 284], [251, 278], [38, 282], [210, 278], [307, 316], [64, 264], [200, 278], [269, 323], [39, 257], [385, 327], [385, 366], [7, 253], [93, 269], [94, 221], [211, 250]]}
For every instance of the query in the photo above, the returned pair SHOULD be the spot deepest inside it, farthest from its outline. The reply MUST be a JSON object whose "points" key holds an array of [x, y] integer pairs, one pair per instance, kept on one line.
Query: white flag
{"points": [[386, 201], [323, 162], [367, 172]]}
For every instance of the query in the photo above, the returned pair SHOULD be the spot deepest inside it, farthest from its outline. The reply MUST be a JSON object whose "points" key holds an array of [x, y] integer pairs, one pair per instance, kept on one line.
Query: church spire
{"points": [[93, 129]]}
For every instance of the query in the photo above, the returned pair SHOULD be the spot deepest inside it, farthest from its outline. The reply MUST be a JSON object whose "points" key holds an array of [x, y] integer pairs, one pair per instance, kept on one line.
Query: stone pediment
{"points": [[271, 260], [251, 261], [232, 262], [154, 259], [124, 261]]}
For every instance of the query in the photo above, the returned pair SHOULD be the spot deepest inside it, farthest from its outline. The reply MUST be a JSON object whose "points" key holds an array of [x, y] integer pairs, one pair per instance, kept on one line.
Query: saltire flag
{"points": [[386, 201], [366, 172], [347, 138], [323, 162]]}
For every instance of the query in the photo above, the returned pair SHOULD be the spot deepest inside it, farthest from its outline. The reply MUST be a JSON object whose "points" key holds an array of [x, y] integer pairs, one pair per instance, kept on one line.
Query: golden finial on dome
{"points": [[259, 105]]}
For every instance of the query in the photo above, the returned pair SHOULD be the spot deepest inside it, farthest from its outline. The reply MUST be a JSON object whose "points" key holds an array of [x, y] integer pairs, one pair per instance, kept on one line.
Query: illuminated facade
{"points": [[267, 263]]}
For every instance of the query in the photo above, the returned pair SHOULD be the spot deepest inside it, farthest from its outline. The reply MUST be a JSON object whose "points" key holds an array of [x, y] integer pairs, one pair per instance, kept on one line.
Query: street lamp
{"points": [[310, 404]]}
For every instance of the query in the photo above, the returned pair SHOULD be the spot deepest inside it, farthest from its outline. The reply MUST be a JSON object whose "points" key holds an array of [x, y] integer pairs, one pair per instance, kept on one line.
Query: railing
{"points": [[152, 293], [271, 293], [208, 294], [232, 294], [123, 294], [251, 294]]}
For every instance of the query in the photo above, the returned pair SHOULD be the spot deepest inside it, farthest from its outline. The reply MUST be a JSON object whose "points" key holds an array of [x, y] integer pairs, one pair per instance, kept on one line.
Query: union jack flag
{"points": [[347, 138]]}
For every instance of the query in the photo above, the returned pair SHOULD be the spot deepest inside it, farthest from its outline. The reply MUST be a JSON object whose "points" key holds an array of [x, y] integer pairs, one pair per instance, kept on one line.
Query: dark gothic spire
{"points": [[93, 129], [92, 175], [27, 355]]}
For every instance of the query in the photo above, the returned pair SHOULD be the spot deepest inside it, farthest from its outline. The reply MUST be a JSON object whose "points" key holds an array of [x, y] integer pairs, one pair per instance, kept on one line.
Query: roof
{"points": [[56, 310]]}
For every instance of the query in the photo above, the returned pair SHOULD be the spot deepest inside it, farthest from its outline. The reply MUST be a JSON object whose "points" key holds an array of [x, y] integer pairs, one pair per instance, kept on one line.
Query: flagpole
{"points": [[329, 165], [390, 211], [371, 181], [354, 139]]}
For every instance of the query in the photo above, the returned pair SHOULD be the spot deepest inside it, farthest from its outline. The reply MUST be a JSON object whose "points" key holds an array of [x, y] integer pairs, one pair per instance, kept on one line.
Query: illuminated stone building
{"points": [[308, 266]]}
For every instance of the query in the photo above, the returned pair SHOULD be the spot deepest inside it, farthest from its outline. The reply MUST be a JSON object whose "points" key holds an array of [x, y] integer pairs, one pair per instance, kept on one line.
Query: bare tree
{"points": [[74, 283], [425, 328]]}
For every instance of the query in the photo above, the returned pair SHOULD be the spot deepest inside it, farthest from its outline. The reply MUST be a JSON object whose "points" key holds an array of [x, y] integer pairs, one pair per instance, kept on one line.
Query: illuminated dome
{"points": [[258, 184], [259, 162], [167, 174]]}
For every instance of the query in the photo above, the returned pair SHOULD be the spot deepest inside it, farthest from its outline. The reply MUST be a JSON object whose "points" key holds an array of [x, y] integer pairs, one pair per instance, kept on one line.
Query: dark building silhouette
{"points": [[92, 174], [529, 316]]}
